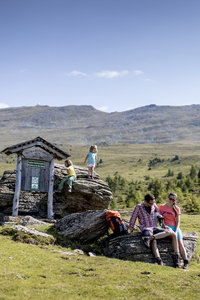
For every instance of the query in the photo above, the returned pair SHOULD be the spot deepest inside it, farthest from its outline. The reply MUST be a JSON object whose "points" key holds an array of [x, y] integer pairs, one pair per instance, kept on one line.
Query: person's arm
{"points": [[177, 211], [86, 158], [177, 222], [133, 218]]}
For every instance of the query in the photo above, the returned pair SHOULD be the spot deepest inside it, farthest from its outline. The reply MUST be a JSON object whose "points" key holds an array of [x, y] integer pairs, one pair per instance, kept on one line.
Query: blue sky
{"points": [[115, 55]]}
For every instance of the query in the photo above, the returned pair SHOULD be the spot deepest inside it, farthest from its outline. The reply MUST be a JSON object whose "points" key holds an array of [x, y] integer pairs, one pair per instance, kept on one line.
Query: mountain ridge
{"points": [[85, 125]]}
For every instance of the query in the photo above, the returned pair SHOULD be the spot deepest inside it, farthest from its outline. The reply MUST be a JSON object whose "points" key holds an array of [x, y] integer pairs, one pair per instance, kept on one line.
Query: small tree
{"points": [[192, 204], [193, 172], [113, 204], [157, 188], [176, 157], [180, 175], [169, 173]]}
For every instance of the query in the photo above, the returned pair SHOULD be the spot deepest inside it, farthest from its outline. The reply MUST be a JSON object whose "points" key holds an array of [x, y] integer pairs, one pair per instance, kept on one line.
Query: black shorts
{"points": [[155, 231]]}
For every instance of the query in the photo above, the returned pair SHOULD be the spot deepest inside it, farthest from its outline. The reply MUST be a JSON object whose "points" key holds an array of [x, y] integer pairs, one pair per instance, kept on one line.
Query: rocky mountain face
{"points": [[86, 125]]}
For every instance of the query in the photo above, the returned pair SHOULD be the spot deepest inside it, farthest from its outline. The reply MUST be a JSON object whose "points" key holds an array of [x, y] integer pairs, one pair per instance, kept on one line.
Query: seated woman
{"points": [[171, 213]]}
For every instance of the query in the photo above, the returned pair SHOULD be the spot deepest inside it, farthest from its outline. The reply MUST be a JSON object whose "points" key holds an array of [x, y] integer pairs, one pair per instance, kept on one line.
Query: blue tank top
{"points": [[91, 158]]}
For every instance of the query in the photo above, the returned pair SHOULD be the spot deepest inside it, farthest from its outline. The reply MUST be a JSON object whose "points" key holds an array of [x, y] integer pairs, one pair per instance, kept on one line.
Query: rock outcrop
{"points": [[130, 247], [86, 195], [84, 227]]}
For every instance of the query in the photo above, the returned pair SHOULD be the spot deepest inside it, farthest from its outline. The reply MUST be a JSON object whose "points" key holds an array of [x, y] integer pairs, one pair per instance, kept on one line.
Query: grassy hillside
{"points": [[83, 125], [39, 272], [131, 161]]}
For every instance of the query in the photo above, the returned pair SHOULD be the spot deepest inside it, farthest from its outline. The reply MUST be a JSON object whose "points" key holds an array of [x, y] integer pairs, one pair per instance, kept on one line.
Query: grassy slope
{"points": [[33, 272], [131, 161]]}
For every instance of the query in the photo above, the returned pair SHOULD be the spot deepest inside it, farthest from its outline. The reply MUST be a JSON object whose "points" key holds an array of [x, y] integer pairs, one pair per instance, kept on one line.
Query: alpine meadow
{"points": [[152, 149]]}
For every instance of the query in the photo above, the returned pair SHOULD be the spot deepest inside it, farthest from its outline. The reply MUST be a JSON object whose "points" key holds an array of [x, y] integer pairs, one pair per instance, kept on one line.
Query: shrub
{"points": [[192, 204]]}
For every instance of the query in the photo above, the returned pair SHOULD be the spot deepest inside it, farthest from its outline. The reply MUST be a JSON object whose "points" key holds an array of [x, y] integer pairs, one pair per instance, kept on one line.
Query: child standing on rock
{"points": [[91, 160], [70, 178]]}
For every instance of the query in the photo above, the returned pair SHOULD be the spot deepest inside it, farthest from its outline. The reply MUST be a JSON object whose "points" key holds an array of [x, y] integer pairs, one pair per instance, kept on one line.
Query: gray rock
{"points": [[30, 221], [130, 247], [84, 227], [86, 195], [28, 230]]}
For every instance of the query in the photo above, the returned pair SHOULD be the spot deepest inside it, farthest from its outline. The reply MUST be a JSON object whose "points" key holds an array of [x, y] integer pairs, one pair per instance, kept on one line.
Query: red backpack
{"points": [[116, 223]]}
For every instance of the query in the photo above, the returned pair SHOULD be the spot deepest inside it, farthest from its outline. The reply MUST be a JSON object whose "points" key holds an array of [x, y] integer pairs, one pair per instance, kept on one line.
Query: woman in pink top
{"points": [[171, 213]]}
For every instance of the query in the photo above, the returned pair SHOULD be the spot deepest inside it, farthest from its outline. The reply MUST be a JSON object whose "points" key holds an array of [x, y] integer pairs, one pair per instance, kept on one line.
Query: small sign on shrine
{"points": [[35, 169]]}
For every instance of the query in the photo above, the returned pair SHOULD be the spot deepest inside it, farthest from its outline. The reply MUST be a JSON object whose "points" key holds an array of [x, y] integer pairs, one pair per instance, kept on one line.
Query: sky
{"points": [[115, 55]]}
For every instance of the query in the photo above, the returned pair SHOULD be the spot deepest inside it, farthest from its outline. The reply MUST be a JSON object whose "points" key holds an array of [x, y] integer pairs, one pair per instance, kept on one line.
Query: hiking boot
{"points": [[175, 258], [186, 264], [159, 261]]}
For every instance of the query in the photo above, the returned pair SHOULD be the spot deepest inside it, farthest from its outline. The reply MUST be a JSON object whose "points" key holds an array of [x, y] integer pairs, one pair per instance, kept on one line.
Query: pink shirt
{"points": [[169, 214], [146, 220]]}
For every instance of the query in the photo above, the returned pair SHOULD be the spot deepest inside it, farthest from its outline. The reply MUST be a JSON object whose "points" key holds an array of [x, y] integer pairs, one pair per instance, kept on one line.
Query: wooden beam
{"points": [[56, 152], [17, 186], [50, 213]]}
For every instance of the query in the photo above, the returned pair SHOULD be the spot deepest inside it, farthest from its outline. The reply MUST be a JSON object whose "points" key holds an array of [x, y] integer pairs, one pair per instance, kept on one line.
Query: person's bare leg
{"points": [[182, 249], [172, 234], [155, 251], [92, 170], [89, 172]]}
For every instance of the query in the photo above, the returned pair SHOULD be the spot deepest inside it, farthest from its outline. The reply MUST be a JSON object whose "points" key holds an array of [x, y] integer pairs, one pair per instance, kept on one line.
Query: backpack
{"points": [[115, 222]]}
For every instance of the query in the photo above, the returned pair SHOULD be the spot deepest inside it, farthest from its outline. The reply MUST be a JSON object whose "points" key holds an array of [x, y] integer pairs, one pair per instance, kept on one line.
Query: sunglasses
{"points": [[172, 199]]}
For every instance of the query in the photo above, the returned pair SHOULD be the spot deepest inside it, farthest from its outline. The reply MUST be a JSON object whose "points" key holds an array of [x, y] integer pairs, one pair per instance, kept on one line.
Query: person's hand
{"points": [[167, 227]]}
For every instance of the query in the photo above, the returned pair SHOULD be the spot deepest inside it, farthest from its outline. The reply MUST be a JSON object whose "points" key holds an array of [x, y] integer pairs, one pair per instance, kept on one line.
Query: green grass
{"points": [[131, 160], [43, 272]]}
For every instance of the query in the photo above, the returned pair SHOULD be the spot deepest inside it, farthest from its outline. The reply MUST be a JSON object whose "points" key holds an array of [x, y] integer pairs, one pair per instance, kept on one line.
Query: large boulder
{"points": [[84, 227], [86, 195], [130, 247]]}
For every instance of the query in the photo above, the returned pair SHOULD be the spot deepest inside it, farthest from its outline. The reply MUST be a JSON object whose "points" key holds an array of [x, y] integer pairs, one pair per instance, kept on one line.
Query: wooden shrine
{"points": [[35, 169]]}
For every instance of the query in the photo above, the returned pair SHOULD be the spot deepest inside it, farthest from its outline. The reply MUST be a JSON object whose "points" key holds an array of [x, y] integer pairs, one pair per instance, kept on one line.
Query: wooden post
{"points": [[17, 186], [50, 192]]}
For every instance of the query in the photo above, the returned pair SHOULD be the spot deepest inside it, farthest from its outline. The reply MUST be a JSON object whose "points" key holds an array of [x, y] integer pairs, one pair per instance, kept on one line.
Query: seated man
{"points": [[145, 212]]}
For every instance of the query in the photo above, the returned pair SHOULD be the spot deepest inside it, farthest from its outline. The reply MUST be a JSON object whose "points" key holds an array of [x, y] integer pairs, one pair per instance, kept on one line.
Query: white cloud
{"points": [[76, 73], [103, 108], [138, 72], [112, 74], [3, 105]]}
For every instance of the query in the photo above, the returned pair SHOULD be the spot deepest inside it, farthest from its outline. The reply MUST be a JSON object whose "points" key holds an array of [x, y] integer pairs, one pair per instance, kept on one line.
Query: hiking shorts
{"points": [[155, 231], [90, 165], [179, 233]]}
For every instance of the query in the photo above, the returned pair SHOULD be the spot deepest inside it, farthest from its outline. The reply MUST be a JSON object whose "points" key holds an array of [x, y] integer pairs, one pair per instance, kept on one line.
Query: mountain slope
{"points": [[86, 125]]}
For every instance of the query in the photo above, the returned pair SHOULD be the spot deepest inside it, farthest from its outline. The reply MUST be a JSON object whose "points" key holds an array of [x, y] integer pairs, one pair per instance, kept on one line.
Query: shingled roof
{"points": [[37, 142]]}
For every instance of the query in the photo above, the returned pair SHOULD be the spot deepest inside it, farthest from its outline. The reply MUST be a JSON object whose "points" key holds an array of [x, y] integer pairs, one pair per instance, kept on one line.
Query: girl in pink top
{"points": [[171, 213]]}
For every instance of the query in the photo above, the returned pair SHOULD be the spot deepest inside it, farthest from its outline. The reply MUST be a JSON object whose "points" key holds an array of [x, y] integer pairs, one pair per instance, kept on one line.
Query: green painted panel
{"points": [[36, 164]]}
